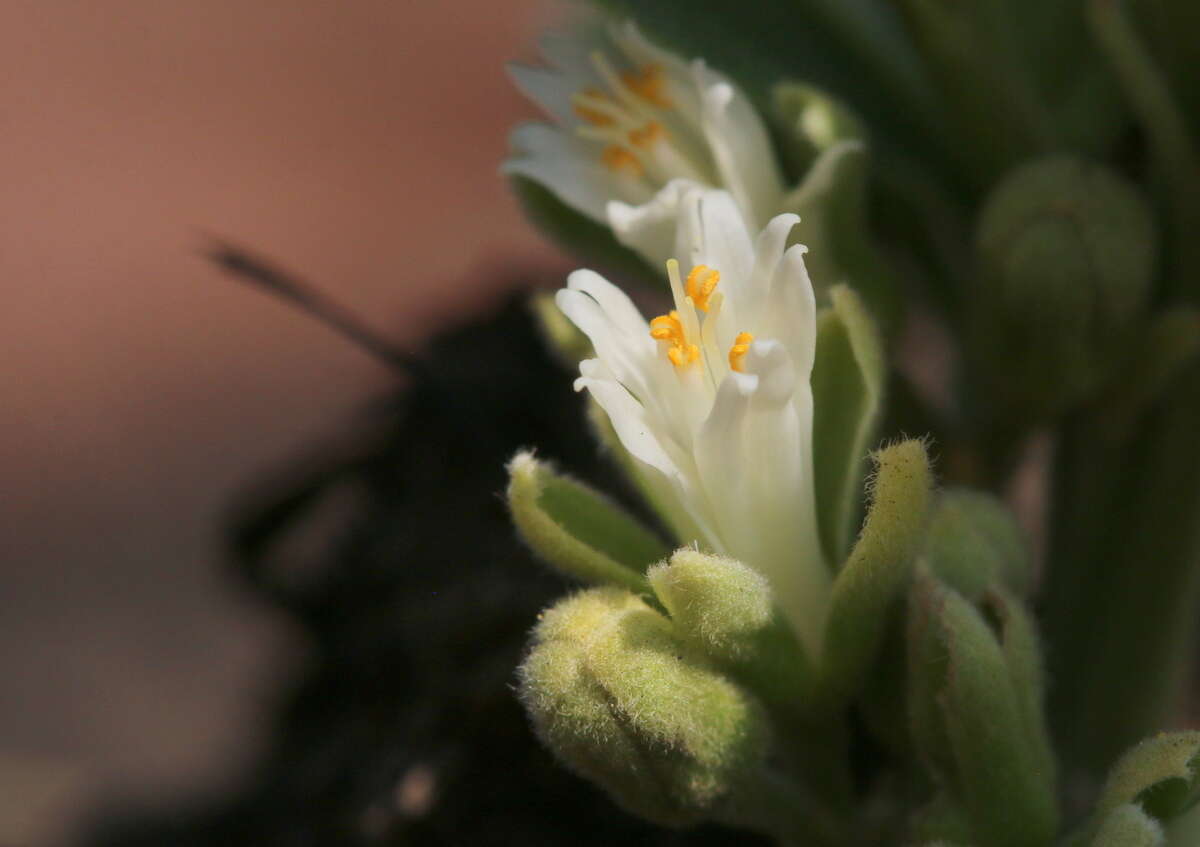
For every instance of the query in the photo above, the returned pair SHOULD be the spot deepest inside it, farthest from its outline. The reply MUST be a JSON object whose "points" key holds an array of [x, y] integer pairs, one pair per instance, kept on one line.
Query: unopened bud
{"points": [[615, 695], [1066, 256]]}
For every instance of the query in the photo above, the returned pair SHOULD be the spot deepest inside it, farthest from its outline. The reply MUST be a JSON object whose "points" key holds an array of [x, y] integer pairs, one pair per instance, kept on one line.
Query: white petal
{"points": [[629, 422], [792, 310], [713, 232], [768, 250], [641, 52], [739, 143], [564, 164], [628, 354], [650, 228], [615, 302], [552, 90]]}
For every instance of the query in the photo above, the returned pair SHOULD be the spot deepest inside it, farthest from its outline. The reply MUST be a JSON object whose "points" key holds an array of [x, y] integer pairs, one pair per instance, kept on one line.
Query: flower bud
{"points": [[725, 610], [975, 703], [620, 700], [1161, 773], [974, 543], [1128, 826], [1066, 256]]}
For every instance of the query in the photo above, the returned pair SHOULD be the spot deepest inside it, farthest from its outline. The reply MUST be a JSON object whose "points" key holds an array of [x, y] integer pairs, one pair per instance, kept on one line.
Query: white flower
{"points": [[713, 399], [629, 118]]}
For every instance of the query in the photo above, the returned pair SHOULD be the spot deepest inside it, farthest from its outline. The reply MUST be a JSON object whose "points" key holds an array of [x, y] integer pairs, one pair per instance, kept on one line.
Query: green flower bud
{"points": [[975, 704], [724, 609], [615, 695], [578, 530], [1129, 826], [810, 122], [718, 604], [974, 543], [1161, 773], [1066, 258]]}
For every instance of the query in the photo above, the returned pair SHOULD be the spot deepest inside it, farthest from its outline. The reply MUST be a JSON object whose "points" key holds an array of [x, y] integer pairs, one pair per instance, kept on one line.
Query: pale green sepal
{"points": [[811, 121], [866, 590], [621, 701], [831, 201], [1129, 826], [847, 384], [724, 609], [564, 340], [578, 530], [1002, 779], [974, 543], [1161, 773]]}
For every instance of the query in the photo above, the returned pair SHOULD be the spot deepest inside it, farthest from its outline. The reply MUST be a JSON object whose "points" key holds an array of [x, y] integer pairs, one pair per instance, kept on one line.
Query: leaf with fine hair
{"points": [[866, 591], [577, 530]]}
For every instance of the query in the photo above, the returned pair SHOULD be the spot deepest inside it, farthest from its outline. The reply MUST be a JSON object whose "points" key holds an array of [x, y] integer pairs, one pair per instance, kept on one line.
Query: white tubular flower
{"points": [[630, 117], [713, 399]]}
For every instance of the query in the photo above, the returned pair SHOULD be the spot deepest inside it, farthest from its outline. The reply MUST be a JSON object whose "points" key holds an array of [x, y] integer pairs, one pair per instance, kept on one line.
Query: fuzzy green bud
{"points": [[975, 703], [1161, 773], [974, 543], [1129, 826], [1066, 257], [620, 700], [724, 609]]}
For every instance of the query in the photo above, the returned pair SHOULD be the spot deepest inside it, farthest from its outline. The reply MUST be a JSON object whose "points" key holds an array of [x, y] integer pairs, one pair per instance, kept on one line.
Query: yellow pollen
{"points": [[618, 158], [669, 328], [589, 113], [700, 284], [648, 83], [647, 135], [737, 353]]}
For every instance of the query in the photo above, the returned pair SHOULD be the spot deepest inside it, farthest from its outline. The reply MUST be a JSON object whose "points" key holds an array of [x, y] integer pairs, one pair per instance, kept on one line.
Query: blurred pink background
{"points": [[356, 142]]}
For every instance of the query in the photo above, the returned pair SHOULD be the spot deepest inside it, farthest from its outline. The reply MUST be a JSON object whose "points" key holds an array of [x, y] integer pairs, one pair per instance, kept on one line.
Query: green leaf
{"points": [[866, 590], [1003, 780], [847, 383], [975, 543], [1129, 826], [589, 241], [1161, 773], [577, 530]]}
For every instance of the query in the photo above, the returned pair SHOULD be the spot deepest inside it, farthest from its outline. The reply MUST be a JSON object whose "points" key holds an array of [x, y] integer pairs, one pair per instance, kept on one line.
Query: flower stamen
{"points": [[701, 282], [618, 158], [737, 353], [647, 135], [648, 83], [669, 328]]}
